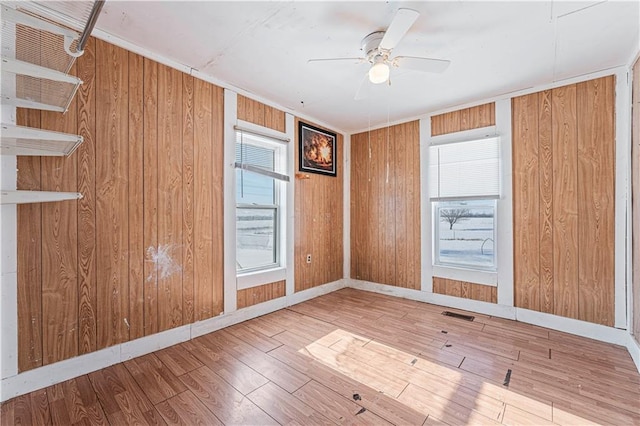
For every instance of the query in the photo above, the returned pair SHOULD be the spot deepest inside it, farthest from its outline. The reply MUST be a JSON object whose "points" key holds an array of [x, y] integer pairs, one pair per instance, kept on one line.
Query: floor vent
{"points": [[459, 316]]}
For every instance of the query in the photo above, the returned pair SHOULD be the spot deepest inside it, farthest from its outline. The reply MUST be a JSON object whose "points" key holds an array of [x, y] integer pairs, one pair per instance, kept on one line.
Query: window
{"points": [[465, 234], [258, 192], [464, 187]]}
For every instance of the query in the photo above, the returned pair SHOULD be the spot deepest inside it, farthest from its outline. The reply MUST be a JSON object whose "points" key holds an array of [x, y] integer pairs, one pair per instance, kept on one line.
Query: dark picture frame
{"points": [[317, 150]]}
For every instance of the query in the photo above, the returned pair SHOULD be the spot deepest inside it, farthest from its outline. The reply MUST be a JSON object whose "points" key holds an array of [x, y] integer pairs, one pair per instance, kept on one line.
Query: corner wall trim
{"points": [[634, 350]]}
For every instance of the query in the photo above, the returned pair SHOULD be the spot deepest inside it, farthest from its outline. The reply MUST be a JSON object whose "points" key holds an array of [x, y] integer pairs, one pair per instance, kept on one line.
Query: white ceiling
{"points": [[495, 48]]}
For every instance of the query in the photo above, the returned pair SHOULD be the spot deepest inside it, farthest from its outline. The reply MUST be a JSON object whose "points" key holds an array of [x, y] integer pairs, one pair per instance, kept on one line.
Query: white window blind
{"points": [[465, 170], [253, 154]]}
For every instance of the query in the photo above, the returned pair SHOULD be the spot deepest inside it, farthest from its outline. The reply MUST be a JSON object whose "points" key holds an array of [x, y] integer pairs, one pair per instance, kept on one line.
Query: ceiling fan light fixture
{"points": [[379, 72]]}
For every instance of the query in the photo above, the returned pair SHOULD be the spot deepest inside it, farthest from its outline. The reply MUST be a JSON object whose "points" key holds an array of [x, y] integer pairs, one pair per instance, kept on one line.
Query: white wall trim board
{"points": [[311, 293], [117, 41], [210, 325], [622, 195], [8, 262], [229, 202], [426, 247], [48, 375], [573, 326], [289, 207], [504, 252], [634, 350], [154, 342], [258, 278], [346, 207]]}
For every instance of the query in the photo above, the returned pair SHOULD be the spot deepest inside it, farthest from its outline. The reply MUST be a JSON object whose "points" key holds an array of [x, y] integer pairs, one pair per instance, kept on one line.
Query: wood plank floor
{"points": [[354, 357]]}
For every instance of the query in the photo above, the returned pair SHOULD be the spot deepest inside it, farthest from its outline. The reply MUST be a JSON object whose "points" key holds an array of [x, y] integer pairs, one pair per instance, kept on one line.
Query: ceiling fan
{"points": [[378, 47]]}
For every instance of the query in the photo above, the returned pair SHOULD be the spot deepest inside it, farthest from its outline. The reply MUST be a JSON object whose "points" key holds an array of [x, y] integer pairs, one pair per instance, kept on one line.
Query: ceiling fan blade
{"points": [[352, 60], [402, 21], [363, 88], [421, 64]]}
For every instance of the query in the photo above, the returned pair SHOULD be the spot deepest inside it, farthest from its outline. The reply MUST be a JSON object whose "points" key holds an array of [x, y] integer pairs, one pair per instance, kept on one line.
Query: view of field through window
{"points": [[466, 234]]}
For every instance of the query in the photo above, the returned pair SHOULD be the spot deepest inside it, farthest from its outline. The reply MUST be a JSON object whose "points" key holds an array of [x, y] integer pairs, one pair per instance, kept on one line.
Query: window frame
{"points": [[280, 152], [435, 215]]}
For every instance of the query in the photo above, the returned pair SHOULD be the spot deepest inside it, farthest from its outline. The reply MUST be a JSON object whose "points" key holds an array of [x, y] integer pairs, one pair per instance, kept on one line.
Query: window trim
{"points": [[438, 265], [251, 277]]}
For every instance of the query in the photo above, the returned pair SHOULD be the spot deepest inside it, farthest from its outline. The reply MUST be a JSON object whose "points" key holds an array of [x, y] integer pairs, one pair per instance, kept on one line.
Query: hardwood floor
{"points": [[353, 357]]}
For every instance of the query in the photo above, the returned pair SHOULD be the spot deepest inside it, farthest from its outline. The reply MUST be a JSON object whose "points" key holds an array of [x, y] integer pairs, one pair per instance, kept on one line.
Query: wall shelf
{"points": [[36, 57], [20, 140], [24, 197]]}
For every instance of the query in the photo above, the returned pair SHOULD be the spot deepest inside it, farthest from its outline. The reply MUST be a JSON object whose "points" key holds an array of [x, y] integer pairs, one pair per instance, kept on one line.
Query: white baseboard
{"points": [[634, 350], [437, 299], [154, 342], [573, 326], [48, 375], [311, 293]]}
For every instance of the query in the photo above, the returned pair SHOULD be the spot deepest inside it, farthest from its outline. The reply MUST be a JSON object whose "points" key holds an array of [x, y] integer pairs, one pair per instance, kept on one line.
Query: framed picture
{"points": [[317, 150]]}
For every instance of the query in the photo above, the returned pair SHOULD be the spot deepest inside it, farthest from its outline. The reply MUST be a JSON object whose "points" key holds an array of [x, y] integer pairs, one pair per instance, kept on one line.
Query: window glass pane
{"points": [[252, 188], [255, 238], [465, 233]]}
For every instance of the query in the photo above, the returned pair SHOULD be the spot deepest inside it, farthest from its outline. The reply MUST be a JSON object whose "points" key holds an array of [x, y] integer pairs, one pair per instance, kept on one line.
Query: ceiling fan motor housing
{"points": [[371, 46]]}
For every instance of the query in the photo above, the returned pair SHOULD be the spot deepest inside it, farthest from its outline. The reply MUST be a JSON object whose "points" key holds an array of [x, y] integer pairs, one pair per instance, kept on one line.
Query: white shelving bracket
{"points": [[20, 140], [24, 197]]}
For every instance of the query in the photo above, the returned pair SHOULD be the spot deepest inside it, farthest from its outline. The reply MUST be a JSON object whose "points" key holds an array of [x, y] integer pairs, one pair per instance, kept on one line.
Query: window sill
{"points": [[474, 276], [257, 278]]}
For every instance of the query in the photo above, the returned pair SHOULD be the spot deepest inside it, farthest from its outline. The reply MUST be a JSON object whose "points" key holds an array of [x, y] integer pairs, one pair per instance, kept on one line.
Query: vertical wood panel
{"points": [[203, 200], [254, 295], [170, 211], [385, 206], [545, 162], [218, 201], [135, 319], [466, 290], [565, 201], [596, 197], [151, 171], [464, 119], [258, 113], [358, 202], [401, 153], [526, 210], [318, 225], [29, 256], [86, 155], [575, 216], [59, 249], [112, 174], [187, 190]]}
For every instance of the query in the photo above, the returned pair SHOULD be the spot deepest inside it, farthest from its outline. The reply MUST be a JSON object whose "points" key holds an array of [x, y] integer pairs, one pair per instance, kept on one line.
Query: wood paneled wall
{"points": [[483, 293], [635, 198], [263, 293], [563, 200], [385, 205], [142, 251], [258, 113], [318, 225], [464, 119]]}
